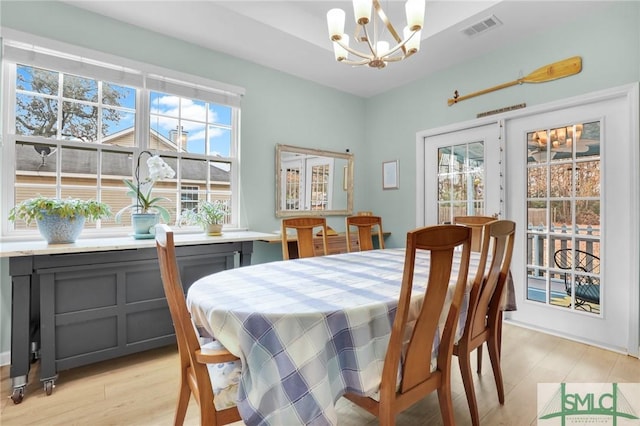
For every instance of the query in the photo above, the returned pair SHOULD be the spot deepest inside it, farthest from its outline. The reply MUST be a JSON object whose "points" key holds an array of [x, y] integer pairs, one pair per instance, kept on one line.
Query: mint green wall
{"points": [[279, 108], [609, 44]]}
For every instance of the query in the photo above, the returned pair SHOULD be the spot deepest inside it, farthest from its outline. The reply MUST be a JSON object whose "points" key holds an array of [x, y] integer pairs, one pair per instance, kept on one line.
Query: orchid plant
{"points": [[140, 191]]}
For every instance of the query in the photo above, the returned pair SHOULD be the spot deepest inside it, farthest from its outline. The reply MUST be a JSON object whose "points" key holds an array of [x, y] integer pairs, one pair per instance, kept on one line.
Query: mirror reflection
{"points": [[313, 182]]}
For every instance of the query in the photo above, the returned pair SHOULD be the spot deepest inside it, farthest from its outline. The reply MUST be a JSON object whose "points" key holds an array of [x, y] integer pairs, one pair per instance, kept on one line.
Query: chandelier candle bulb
{"points": [[415, 14], [335, 23], [340, 52], [382, 48], [362, 11]]}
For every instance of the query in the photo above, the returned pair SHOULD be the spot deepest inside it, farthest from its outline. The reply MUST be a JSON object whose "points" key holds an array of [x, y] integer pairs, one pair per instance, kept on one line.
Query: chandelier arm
{"points": [[401, 45], [366, 36], [350, 62], [387, 23], [396, 58], [393, 59], [355, 52]]}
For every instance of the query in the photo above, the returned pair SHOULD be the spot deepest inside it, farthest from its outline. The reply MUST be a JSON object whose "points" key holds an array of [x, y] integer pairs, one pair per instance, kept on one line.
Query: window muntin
{"points": [[93, 150]]}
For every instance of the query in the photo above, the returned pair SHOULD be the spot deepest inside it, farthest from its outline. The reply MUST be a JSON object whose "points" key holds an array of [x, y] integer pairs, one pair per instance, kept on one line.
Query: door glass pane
{"points": [[560, 180], [461, 180], [563, 236], [589, 140], [292, 188], [537, 289], [588, 179], [537, 151], [319, 187], [537, 181]]}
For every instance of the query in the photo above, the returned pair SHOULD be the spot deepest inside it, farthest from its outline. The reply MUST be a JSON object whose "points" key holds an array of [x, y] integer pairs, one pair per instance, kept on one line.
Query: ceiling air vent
{"points": [[482, 26]]}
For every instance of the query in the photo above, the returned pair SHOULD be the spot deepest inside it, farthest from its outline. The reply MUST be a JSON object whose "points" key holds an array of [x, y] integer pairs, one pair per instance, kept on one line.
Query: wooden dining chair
{"points": [[209, 372], [478, 226], [365, 226], [476, 223], [305, 228], [420, 377], [484, 312]]}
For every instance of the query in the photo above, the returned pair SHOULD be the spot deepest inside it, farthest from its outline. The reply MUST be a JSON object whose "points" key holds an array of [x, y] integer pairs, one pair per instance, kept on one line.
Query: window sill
{"points": [[29, 247]]}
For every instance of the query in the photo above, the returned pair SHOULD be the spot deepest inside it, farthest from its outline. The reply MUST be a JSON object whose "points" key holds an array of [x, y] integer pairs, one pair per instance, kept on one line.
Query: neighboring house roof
{"points": [[42, 158]]}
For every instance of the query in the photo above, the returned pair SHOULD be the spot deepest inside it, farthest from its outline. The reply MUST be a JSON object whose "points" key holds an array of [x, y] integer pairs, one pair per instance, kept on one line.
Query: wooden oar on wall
{"points": [[564, 68]]}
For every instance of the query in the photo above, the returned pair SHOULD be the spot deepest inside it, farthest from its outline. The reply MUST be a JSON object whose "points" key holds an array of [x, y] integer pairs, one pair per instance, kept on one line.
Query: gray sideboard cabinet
{"points": [[81, 308]]}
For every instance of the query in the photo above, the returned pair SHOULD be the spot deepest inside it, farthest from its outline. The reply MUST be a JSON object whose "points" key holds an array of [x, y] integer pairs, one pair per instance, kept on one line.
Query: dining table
{"points": [[309, 330]]}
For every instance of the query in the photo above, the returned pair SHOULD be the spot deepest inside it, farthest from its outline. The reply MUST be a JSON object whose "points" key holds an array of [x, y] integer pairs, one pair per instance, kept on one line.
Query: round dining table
{"points": [[308, 330]]}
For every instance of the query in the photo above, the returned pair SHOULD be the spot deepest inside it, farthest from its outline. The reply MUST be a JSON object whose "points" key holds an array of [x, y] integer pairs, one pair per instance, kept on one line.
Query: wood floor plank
{"points": [[141, 389]]}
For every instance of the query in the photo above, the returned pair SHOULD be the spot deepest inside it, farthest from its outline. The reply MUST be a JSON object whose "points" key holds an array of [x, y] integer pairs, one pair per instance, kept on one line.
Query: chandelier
{"points": [[378, 52]]}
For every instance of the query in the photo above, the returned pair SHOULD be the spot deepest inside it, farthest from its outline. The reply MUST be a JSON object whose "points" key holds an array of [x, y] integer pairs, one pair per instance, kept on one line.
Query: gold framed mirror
{"points": [[313, 182]]}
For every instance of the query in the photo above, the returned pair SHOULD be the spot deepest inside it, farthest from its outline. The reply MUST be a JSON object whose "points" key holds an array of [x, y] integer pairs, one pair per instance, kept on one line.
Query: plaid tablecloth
{"points": [[307, 330]]}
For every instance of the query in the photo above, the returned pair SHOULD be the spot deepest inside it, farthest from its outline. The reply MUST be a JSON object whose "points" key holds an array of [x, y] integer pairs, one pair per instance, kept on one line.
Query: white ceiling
{"points": [[291, 36]]}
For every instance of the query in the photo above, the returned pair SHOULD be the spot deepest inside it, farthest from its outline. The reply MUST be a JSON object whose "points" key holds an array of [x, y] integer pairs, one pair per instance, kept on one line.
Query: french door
{"points": [[567, 173], [572, 188]]}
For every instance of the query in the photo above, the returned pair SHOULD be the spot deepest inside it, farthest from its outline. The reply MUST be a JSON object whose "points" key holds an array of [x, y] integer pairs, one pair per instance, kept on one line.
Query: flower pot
{"points": [[144, 225], [213, 229], [60, 230]]}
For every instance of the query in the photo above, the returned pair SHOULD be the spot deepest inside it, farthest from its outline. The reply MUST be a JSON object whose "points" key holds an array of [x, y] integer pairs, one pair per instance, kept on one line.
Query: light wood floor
{"points": [[141, 389]]}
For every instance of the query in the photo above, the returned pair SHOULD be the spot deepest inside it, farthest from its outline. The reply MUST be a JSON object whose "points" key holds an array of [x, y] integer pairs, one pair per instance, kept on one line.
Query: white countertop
{"points": [[39, 247]]}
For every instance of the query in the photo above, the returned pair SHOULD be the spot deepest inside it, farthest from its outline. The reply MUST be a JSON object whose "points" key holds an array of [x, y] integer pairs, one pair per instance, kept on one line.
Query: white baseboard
{"points": [[568, 337], [5, 358]]}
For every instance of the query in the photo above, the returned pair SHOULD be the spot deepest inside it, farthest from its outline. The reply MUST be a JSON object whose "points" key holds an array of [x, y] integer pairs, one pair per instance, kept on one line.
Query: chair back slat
{"points": [[305, 227], [365, 225], [499, 270], [476, 223]]}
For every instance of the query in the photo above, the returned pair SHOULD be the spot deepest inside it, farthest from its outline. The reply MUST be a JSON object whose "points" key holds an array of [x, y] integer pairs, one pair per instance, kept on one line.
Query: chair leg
{"points": [[494, 355], [479, 351], [183, 403], [386, 416], [464, 360], [446, 402], [499, 333]]}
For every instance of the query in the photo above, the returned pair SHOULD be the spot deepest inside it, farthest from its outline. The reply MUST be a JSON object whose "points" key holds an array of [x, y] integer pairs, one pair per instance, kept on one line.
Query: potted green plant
{"points": [[59, 220], [145, 208], [208, 214]]}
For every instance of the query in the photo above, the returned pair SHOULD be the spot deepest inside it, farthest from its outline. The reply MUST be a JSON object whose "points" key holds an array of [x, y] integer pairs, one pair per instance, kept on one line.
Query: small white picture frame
{"points": [[390, 175]]}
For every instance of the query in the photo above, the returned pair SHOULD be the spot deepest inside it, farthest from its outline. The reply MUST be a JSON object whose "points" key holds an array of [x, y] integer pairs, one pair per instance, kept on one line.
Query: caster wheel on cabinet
{"points": [[48, 387], [18, 395]]}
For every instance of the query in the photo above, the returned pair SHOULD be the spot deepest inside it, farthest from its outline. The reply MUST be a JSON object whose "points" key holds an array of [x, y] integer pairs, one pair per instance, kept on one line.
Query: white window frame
{"points": [[93, 64]]}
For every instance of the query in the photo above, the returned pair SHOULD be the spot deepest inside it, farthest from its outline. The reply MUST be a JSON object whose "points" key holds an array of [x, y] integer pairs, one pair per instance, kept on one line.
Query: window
{"points": [[76, 128], [189, 197]]}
